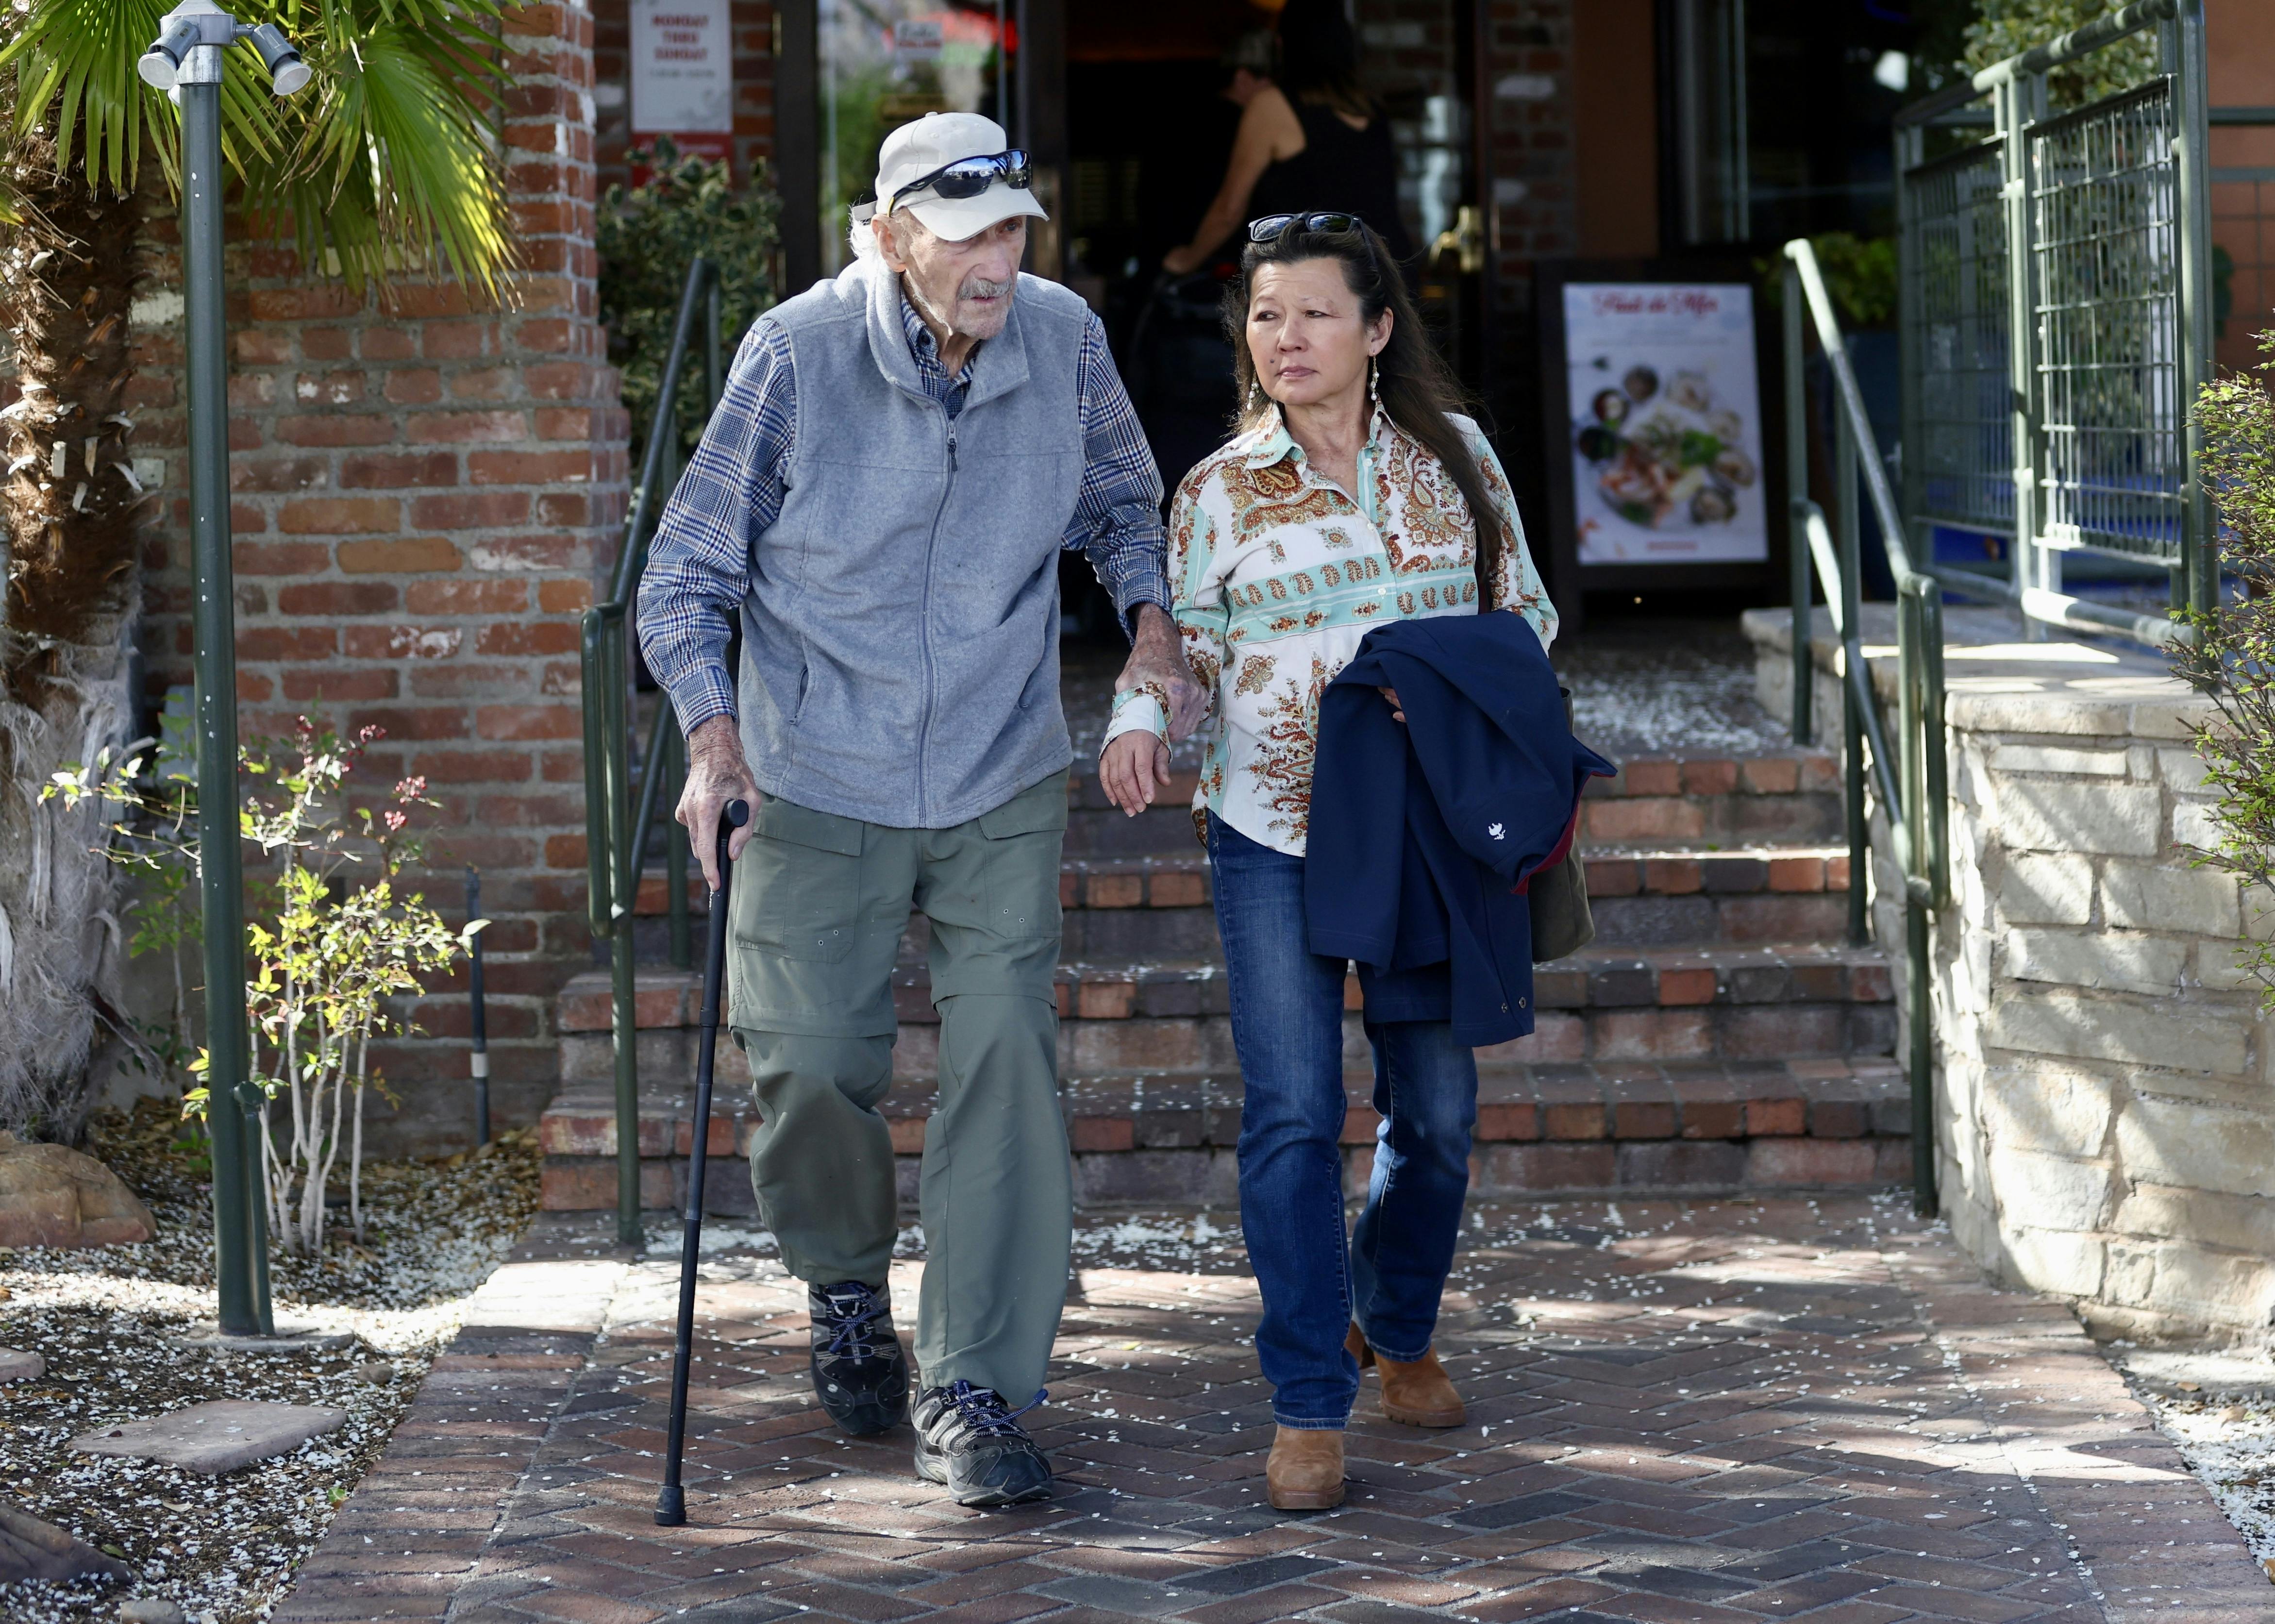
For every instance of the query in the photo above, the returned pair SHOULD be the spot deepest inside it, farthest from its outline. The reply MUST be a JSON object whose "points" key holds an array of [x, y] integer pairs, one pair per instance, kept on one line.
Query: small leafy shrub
{"points": [[334, 943], [646, 235], [1860, 274], [2234, 660], [2003, 28]]}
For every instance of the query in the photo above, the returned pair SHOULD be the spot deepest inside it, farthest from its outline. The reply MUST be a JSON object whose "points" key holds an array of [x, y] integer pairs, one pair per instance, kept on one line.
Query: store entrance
{"points": [[1153, 96], [1130, 113]]}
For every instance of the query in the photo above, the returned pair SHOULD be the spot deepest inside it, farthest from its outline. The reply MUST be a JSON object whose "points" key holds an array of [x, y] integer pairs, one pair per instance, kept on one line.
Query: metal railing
{"points": [[622, 795], [2056, 302], [1912, 778]]}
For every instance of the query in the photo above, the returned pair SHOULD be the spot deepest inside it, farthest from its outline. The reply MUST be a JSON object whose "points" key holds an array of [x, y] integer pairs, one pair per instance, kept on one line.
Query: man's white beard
{"points": [[973, 287]]}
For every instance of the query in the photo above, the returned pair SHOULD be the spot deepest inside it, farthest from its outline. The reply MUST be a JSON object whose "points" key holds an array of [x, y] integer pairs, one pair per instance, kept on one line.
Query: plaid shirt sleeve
{"points": [[1117, 516], [698, 564]]}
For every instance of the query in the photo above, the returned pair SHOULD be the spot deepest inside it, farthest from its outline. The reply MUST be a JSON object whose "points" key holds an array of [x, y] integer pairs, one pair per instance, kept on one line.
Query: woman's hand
{"points": [[1181, 262], [1391, 694], [1131, 766]]}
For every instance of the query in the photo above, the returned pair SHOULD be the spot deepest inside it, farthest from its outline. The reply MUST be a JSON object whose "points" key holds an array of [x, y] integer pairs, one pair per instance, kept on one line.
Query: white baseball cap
{"points": [[932, 143]]}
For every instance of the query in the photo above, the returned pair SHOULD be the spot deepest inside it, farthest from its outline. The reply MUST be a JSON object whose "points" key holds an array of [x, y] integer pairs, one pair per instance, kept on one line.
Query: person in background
{"points": [[1176, 359], [1353, 494], [1311, 138]]}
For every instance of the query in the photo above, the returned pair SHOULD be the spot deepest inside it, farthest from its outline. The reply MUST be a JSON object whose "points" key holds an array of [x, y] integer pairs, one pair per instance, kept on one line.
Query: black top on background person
{"points": [[1311, 139]]}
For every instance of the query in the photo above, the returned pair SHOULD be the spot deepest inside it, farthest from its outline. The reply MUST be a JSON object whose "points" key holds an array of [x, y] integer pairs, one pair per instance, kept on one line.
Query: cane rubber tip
{"points": [[739, 814], [671, 1506]]}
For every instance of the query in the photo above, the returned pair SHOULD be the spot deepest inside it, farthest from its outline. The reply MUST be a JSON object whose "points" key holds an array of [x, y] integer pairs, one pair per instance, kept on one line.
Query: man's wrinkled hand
{"points": [[1131, 767], [1157, 665], [716, 775]]}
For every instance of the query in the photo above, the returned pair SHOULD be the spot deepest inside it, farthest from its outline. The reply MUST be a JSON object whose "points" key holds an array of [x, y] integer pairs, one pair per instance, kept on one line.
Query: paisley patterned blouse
{"points": [[1278, 574]]}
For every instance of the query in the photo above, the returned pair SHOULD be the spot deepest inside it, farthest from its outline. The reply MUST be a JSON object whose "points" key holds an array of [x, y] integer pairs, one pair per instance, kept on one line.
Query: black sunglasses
{"points": [[971, 176], [1267, 227]]}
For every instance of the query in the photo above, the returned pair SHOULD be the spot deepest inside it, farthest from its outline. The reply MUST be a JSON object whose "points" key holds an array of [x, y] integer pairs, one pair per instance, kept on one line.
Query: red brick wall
{"points": [[425, 494], [1535, 208], [754, 88]]}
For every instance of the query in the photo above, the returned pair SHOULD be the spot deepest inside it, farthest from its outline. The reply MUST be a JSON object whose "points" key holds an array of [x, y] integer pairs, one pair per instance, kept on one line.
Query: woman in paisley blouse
{"points": [[1352, 493]]}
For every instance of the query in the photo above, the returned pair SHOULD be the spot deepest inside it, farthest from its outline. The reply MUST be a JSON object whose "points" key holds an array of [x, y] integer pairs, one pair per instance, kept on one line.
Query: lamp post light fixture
{"points": [[187, 62]]}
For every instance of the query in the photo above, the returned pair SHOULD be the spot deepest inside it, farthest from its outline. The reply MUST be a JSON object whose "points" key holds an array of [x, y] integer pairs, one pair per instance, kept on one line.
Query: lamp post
{"points": [[187, 62]]}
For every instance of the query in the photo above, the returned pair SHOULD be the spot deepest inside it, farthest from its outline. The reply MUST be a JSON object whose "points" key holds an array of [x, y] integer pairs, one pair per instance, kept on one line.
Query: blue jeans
{"points": [[1287, 1027]]}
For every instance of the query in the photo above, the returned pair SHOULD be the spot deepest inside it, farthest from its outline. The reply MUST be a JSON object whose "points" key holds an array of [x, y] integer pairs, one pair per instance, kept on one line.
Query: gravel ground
{"points": [[1644, 689], [2219, 1408], [1639, 689], [107, 1320]]}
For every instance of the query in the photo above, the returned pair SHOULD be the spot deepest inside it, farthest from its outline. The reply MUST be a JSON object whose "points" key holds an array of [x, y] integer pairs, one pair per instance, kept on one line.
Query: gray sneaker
{"points": [[968, 1439], [859, 1373]]}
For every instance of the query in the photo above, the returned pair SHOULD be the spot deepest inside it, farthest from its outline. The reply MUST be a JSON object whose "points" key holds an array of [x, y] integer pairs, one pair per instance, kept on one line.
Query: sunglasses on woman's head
{"points": [[971, 176], [1269, 226]]}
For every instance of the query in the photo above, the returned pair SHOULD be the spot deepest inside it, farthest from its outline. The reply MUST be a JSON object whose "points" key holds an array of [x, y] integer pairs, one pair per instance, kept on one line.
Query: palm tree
{"points": [[389, 164]]}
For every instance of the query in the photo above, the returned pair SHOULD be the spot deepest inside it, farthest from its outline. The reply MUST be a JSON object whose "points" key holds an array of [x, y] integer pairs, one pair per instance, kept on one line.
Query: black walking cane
{"points": [[671, 1504]]}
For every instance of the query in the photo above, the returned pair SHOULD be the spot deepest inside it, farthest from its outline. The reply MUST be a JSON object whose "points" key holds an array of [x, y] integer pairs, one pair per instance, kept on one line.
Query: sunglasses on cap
{"points": [[1269, 226], [971, 176]]}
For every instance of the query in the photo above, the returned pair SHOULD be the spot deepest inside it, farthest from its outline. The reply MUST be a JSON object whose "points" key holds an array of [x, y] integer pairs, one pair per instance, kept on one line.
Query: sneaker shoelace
{"points": [[852, 1312], [982, 1411]]}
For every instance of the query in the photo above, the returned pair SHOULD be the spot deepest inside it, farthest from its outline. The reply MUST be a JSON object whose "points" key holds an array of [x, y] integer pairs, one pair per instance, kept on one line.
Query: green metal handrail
{"points": [[1913, 778], [621, 803]]}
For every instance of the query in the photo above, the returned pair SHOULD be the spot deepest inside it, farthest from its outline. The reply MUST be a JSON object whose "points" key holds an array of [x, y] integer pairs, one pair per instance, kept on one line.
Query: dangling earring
{"points": [[1255, 394], [1374, 380]]}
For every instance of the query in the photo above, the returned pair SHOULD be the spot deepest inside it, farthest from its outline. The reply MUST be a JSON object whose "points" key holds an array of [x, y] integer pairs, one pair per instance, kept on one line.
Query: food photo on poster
{"points": [[1664, 423]]}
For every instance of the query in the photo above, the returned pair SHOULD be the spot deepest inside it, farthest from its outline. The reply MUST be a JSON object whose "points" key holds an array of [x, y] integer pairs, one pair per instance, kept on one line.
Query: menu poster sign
{"points": [[1664, 424], [683, 74]]}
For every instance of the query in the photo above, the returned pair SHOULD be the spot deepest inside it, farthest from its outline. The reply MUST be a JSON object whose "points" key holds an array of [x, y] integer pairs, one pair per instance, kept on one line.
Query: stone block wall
{"points": [[2107, 1106], [424, 492], [2106, 1082]]}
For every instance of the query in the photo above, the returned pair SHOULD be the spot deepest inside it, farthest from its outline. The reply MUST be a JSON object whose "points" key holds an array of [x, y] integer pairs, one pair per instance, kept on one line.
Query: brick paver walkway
{"points": [[1719, 1412]]}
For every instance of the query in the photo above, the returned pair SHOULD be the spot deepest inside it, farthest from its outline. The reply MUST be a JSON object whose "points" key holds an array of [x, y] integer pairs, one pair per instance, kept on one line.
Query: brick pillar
{"points": [[1535, 206], [425, 492]]}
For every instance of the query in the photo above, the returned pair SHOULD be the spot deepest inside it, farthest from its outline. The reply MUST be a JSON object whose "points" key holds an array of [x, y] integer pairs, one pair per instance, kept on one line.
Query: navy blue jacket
{"points": [[1424, 835]]}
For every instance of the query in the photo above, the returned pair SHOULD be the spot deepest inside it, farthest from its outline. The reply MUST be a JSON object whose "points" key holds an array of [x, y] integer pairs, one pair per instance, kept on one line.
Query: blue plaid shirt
{"points": [[699, 563]]}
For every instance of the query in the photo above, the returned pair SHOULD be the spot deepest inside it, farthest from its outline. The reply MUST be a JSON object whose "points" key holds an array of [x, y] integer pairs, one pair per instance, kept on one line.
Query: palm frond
{"points": [[74, 62], [392, 159], [403, 150]]}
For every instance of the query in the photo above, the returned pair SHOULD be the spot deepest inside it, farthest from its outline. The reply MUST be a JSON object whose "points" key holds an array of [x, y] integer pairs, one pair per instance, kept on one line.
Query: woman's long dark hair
{"points": [[1418, 388], [1318, 57]]}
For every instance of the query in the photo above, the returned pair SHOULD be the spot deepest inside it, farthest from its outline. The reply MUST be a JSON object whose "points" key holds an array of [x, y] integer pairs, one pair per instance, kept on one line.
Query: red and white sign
{"points": [[683, 71]]}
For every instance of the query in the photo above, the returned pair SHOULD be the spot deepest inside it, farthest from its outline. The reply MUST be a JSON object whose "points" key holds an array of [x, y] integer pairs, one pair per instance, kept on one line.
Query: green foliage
{"points": [[2233, 662], [390, 161], [2005, 28], [1860, 274], [330, 961], [647, 235]]}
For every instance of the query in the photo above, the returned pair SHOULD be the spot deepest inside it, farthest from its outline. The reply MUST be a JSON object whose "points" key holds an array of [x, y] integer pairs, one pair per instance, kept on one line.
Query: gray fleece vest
{"points": [[901, 634]]}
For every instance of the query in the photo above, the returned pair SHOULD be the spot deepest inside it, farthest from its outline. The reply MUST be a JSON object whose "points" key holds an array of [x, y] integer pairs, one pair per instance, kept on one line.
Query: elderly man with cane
{"points": [[899, 457]]}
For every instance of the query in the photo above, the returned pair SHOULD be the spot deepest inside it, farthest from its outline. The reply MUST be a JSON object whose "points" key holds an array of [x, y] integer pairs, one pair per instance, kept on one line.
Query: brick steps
{"points": [[1606, 1004], [1789, 796], [1170, 1136], [1714, 1036], [1158, 905]]}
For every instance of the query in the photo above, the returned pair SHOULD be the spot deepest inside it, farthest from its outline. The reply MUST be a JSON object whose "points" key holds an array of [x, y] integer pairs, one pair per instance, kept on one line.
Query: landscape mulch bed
{"points": [[109, 1322]]}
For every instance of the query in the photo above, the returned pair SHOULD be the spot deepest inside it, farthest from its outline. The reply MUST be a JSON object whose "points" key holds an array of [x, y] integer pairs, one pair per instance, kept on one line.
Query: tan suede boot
{"points": [[1305, 1472], [1415, 1392]]}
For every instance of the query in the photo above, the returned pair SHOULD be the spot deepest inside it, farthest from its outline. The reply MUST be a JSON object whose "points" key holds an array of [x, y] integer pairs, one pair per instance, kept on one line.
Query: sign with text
{"points": [[683, 69], [1664, 423]]}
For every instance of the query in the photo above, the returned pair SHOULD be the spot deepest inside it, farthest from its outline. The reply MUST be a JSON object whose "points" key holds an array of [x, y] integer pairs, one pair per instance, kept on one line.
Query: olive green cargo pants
{"points": [[819, 905]]}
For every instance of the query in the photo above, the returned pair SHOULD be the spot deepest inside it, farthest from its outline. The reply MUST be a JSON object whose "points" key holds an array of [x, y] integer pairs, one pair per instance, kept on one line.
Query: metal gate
{"points": [[2056, 308]]}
